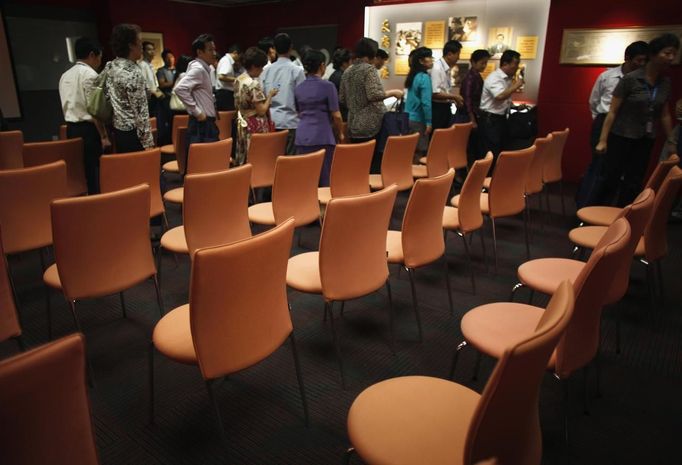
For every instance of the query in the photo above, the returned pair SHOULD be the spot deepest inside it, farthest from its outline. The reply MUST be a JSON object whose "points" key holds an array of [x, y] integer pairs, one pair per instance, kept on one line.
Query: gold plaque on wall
{"points": [[527, 46], [434, 34], [401, 67]]}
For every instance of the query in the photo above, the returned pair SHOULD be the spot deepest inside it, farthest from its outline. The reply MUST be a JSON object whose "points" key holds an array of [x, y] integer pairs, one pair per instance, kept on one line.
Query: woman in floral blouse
{"points": [[252, 104]]}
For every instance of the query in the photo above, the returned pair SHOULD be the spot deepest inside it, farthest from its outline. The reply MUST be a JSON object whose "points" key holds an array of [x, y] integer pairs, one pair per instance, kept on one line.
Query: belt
{"points": [[208, 118], [487, 114]]}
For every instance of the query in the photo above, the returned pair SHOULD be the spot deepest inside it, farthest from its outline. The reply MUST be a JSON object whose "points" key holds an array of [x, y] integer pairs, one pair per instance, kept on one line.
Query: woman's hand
{"points": [[601, 147], [429, 130], [397, 93], [342, 138], [273, 92]]}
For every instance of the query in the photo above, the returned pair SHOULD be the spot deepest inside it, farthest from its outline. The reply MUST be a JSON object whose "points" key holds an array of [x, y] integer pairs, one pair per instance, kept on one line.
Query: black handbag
{"points": [[396, 122], [522, 122]]}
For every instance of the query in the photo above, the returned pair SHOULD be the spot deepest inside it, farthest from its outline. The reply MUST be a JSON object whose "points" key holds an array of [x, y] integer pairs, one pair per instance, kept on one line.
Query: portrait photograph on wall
{"points": [[499, 40], [463, 28], [155, 38], [408, 37]]}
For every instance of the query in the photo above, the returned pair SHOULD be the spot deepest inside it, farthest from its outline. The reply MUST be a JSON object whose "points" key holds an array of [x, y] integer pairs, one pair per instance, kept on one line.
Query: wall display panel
{"points": [[9, 97], [494, 25], [155, 38]]}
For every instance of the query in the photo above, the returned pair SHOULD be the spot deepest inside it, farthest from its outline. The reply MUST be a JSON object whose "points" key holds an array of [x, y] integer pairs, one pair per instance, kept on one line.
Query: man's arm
{"points": [[88, 86], [184, 89], [595, 96], [504, 94]]}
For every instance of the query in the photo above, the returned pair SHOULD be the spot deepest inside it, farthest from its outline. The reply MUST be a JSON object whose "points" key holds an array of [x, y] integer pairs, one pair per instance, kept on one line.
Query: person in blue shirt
{"points": [[418, 105]]}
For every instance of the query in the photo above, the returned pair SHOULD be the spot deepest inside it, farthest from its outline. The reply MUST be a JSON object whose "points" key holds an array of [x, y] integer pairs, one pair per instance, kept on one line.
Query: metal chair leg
{"points": [[348, 455], [446, 268], [455, 357], [214, 401], [159, 253], [516, 287], [391, 317], [123, 305], [76, 322], [492, 222], [525, 232], [471, 265], [159, 300], [48, 312], [337, 344], [415, 306], [566, 402], [661, 290], [618, 331], [575, 251], [343, 307], [477, 367], [485, 255], [151, 383], [299, 377], [530, 296]]}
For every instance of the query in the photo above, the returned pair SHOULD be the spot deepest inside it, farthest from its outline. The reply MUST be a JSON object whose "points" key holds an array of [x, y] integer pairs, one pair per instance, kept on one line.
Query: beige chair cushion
{"points": [[485, 209], [171, 166], [51, 277], [394, 247], [176, 195], [486, 183], [451, 218], [375, 182], [168, 149], [545, 274], [324, 195], [173, 337], [262, 213], [419, 171], [303, 273], [598, 216], [174, 240]]}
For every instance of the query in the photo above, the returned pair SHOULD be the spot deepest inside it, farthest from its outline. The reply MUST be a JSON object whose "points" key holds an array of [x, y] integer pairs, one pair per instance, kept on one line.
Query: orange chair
{"points": [[45, 406], [62, 132], [351, 262], [101, 246], [551, 171], [506, 196], [396, 164], [225, 124], [237, 314], [420, 419], [11, 143], [179, 165], [70, 150], [490, 328], [262, 155], [123, 170], [457, 155], [467, 218], [9, 319], [215, 212], [420, 241], [294, 193], [437, 162], [203, 158], [179, 121], [604, 215], [350, 171]]}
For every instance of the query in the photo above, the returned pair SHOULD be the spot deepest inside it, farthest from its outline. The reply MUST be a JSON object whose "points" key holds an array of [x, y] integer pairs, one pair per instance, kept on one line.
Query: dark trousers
{"points": [[290, 147], [224, 99], [326, 163], [92, 151], [595, 132], [375, 167], [441, 116], [164, 120], [200, 131], [127, 141], [493, 131], [625, 164]]}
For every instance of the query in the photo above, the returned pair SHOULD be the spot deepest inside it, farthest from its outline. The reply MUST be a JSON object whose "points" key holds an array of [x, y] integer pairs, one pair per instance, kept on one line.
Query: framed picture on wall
{"points": [[155, 38], [499, 40]]}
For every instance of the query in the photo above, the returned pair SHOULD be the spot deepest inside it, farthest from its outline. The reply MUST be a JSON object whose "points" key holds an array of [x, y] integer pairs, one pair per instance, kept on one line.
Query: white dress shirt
{"points": [[285, 76], [496, 83], [440, 77], [600, 98], [195, 89], [328, 72], [149, 74], [226, 68], [75, 86]]}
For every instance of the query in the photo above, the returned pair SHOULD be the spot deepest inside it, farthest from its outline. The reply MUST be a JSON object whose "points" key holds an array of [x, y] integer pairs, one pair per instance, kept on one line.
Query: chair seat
{"points": [[493, 328], [168, 149], [486, 183], [485, 209], [172, 336], [303, 273], [422, 160], [545, 274], [598, 216], [376, 182], [394, 247], [176, 195], [410, 420], [419, 171], [51, 277], [587, 237], [171, 166], [262, 213], [174, 240], [451, 218], [324, 195]]}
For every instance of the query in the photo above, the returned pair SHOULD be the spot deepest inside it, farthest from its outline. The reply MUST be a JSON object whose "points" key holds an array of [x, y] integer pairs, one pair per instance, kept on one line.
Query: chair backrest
{"points": [[422, 230], [508, 185], [656, 232], [180, 145], [225, 124], [215, 208], [153, 123], [122, 170], [551, 172], [506, 424], [350, 169], [457, 155], [353, 244], [179, 121], [294, 193], [45, 406], [62, 132], [25, 196], [661, 172], [437, 162], [69, 150], [469, 210], [11, 143], [9, 319], [396, 164], [638, 215], [239, 312], [262, 155], [543, 147], [101, 242], [209, 157], [580, 342]]}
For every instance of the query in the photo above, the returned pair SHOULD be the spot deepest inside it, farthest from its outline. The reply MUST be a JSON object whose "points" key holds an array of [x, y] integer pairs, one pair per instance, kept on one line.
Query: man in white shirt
{"points": [[442, 96], [636, 55], [154, 94], [268, 46], [496, 98], [75, 87], [284, 76], [227, 72]]}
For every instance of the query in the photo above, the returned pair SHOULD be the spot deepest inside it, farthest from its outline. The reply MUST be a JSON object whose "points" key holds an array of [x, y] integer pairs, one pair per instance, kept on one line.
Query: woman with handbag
{"points": [[253, 106], [419, 91]]}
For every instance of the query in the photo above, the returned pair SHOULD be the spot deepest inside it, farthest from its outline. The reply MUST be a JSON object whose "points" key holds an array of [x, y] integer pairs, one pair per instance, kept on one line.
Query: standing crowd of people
{"points": [[320, 105]]}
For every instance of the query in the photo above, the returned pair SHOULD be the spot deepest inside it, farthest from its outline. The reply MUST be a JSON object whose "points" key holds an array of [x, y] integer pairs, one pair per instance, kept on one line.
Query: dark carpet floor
{"points": [[638, 420]]}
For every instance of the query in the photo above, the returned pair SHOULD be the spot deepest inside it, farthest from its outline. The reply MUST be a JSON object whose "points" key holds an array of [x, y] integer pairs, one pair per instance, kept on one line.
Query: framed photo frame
{"points": [[606, 46], [155, 38]]}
